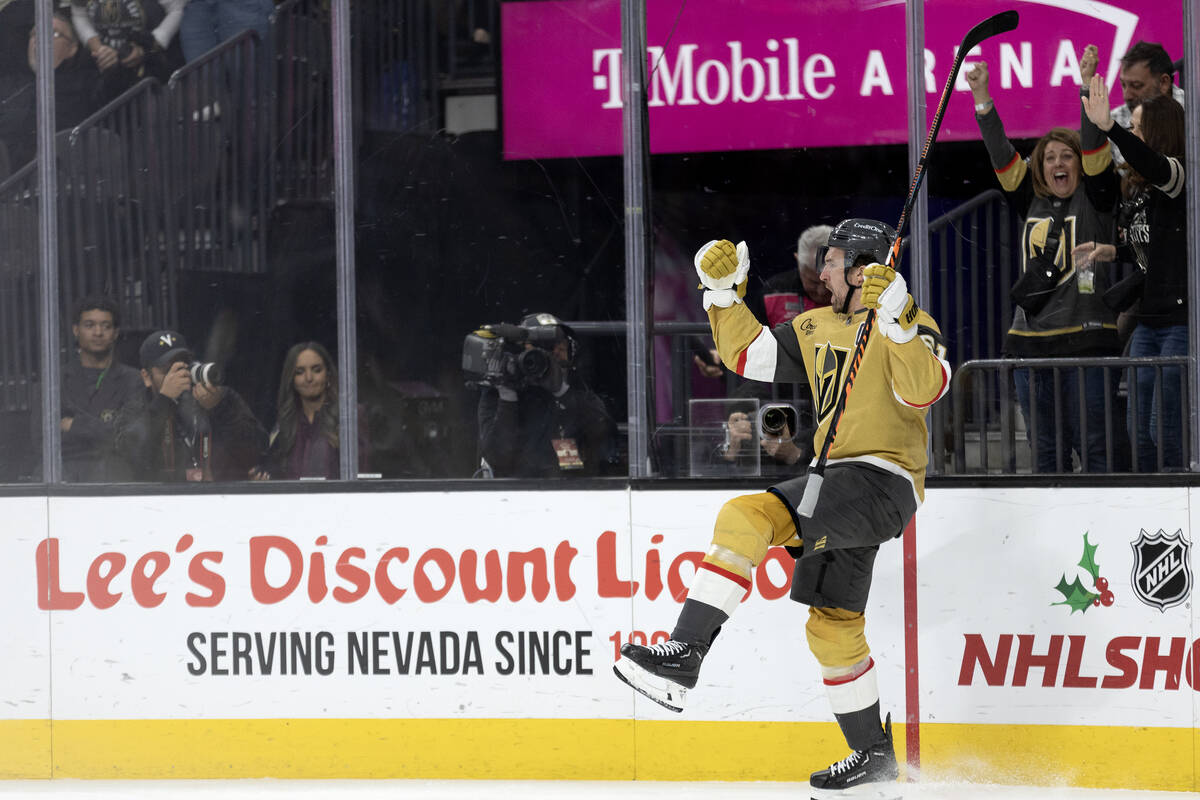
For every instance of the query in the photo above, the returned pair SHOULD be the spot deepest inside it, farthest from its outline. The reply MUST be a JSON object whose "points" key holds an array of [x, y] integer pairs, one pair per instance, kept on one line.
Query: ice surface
{"points": [[266, 789]]}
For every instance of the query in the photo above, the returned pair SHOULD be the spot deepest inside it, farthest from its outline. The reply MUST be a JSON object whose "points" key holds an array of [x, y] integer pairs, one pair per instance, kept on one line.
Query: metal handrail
{"points": [[960, 211], [966, 378]]}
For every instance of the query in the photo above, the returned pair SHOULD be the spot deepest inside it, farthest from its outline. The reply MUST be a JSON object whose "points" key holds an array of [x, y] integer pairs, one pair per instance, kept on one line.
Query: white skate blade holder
{"points": [[668, 694]]}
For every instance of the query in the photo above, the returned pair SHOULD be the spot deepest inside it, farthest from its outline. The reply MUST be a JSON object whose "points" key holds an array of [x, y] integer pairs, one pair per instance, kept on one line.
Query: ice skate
{"points": [[863, 773], [663, 672]]}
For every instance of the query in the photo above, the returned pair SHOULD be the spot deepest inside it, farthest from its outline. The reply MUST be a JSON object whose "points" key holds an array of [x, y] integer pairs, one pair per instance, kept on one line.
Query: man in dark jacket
{"points": [[187, 428], [545, 426], [95, 386]]}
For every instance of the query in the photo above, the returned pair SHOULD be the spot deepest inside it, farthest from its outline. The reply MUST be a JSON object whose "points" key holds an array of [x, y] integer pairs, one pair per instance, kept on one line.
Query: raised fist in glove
{"points": [[885, 291], [723, 268]]}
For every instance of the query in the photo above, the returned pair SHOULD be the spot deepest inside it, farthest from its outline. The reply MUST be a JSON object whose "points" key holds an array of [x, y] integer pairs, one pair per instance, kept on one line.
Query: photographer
{"points": [[187, 427], [533, 423], [783, 440], [781, 421]]}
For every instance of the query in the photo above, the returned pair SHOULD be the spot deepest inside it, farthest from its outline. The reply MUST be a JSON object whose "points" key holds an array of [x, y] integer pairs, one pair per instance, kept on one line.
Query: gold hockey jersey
{"points": [[884, 420]]}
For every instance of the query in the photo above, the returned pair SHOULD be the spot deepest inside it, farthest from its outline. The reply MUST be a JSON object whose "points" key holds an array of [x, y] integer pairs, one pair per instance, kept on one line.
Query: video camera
{"points": [[495, 355]]}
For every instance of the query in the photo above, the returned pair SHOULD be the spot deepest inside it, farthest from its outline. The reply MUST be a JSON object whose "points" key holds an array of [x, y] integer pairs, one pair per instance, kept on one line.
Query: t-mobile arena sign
{"points": [[763, 74]]}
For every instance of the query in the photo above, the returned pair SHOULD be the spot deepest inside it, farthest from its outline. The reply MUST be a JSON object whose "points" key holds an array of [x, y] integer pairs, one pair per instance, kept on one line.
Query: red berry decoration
{"points": [[1102, 584], [1096, 602], [1106, 598]]}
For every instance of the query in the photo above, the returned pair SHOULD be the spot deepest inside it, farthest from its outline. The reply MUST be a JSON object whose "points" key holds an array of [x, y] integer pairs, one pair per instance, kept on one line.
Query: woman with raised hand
{"points": [[1062, 197], [1152, 232]]}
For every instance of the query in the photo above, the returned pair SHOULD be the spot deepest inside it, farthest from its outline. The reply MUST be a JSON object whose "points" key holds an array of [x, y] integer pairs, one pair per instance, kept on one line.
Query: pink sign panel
{"points": [[762, 74]]}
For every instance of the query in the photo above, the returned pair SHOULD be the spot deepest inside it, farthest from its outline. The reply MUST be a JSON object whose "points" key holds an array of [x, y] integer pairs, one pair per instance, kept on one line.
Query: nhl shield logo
{"points": [[1162, 568]]}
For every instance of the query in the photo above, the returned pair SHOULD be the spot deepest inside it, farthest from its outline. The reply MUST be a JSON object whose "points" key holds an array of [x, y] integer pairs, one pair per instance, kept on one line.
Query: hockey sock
{"points": [[854, 696], [714, 594]]}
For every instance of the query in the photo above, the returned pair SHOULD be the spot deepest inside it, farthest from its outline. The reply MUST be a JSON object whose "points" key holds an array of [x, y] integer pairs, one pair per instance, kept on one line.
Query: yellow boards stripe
{"points": [[24, 749], [588, 749]]}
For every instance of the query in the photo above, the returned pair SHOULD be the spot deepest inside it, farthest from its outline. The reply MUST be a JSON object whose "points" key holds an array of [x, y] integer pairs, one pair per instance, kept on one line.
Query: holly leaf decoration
{"points": [[1088, 562], [1077, 597]]}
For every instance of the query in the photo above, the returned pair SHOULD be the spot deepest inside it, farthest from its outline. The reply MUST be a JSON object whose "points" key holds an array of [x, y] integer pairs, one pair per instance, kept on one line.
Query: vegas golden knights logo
{"points": [[1036, 231], [829, 368]]}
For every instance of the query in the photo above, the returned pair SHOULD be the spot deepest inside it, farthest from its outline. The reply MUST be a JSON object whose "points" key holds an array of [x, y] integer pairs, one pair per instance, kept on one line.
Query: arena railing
{"points": [[972, 267], [991, 436], [301, 112], [217, 159], [396, 58], [411, 55], [18, 288], [111, 225], [112, 220]]}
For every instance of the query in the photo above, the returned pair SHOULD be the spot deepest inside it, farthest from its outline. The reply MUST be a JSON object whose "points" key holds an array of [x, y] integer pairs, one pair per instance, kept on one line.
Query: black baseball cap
{"points": [[163, 348]]}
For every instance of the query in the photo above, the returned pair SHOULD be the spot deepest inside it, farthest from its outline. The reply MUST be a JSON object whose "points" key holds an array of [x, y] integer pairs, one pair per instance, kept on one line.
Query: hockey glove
{"points": [[885, 291], [722, 269]]}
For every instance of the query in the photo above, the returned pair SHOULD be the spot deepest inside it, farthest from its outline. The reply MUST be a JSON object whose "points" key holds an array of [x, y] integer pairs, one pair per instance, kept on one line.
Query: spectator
{"points": [[793, 292], [1146, 71], [304, 443], [1062, 198], [129, 41], [1153, 232], [76, 91], [76, 79], [545, 426], [95, 387], [208, 23], [186, 431]]}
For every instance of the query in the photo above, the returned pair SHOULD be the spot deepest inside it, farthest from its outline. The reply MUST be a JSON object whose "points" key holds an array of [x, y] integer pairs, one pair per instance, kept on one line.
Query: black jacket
{"points": [[94, 398], [517, 438], [163, 439], [1153, 228]]}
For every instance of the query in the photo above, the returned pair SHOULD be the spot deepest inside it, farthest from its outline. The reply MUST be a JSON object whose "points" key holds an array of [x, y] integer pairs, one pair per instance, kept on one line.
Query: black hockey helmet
{"points": [[857, 237], [860, 237]]}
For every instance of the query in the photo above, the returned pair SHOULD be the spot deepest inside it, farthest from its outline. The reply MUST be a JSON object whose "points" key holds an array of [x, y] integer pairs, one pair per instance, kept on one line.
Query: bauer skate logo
{"points": [[829, 369], [1162, 568]]}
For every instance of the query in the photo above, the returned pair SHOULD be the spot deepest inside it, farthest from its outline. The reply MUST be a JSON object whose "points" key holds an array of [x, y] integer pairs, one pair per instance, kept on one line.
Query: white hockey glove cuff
{"points": [[893, 331], [722, 298], [886, 291]]}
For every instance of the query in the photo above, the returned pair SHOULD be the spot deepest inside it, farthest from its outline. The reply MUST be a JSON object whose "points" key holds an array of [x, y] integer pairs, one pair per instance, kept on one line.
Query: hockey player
{"points": [[873, 482]]}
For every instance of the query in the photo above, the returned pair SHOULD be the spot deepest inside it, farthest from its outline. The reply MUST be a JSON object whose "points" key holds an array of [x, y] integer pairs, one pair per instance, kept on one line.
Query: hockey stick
{"points": [[992, 26]]}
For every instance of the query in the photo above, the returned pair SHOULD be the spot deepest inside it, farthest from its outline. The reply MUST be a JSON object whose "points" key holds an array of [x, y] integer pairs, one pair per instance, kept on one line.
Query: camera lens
{"points": [[774, 420], [206, 374], [534, 364]]}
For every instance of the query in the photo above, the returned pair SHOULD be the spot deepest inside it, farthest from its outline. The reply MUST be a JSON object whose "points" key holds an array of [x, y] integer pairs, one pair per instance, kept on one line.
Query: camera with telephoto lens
{"points": [[495, 355], [206, 374], [777, 419]]}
